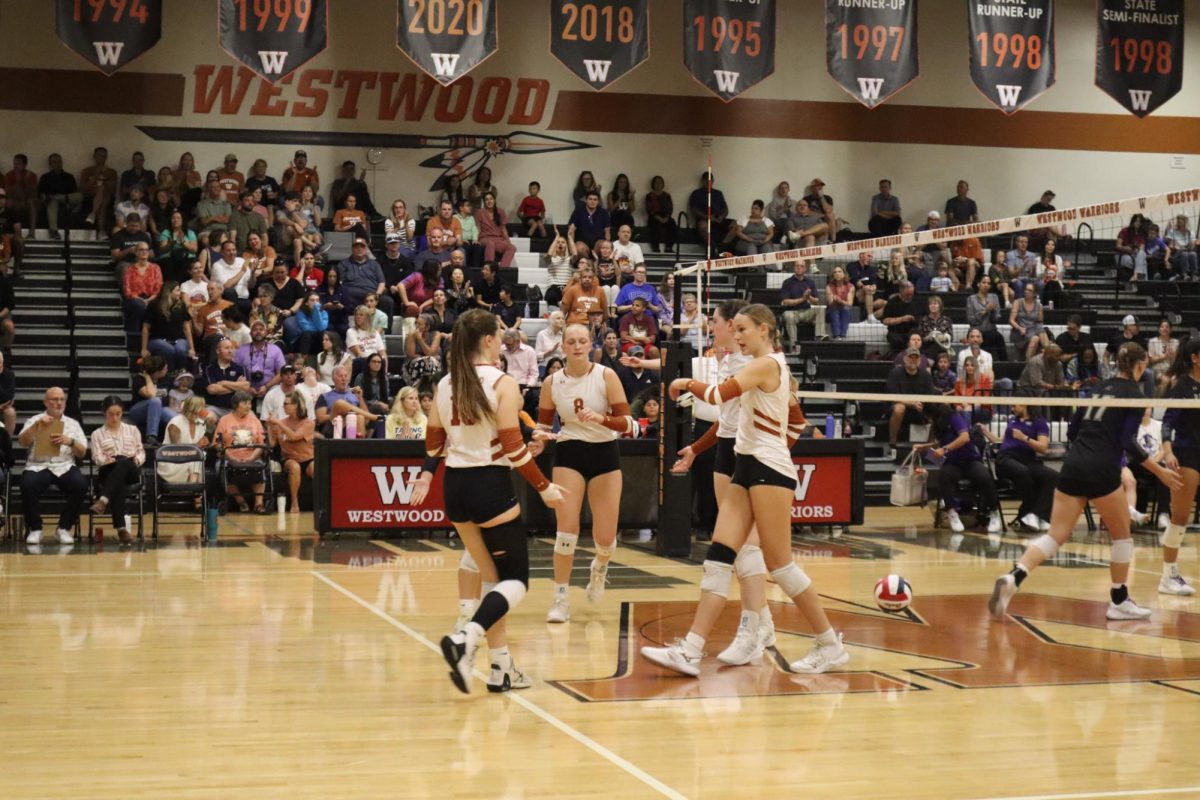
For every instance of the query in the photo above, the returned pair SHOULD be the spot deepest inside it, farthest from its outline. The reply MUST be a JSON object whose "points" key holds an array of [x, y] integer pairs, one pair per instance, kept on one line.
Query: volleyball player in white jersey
{"points": [[760, 494], [750, 568], [480, 443], [591, 404]]}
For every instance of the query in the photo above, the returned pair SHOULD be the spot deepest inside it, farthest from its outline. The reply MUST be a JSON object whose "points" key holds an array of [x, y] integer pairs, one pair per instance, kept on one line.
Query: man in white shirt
{"points": [[57, 468], [624, 247], [975, 348], [233, 274], [522, 360], [272, 403]]}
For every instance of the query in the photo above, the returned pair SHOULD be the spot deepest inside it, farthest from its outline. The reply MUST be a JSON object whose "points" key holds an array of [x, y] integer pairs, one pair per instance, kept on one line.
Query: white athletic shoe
{"points": [[1002, 592], [1031, 521], [766, 632], [1043, 525], [34, 537], [459, 651], [674, 656], [822, 657], [462, 621], [560, 610], [995, 524], [1164, 519], [1127, 610], [595, 587], [1136, 517], [744, 648], [505, 679], [1175, 584], [955, 523], [64, 536]]}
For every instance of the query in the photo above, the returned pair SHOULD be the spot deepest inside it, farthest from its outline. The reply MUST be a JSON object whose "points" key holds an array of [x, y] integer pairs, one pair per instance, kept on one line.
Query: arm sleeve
{"points": [[518, 455], [619, 420], [795, 424], [715, 395], [706, 440]]}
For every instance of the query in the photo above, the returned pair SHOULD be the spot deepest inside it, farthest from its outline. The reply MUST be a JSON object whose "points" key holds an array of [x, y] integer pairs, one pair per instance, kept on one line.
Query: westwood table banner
{"points": [[273, 39], [1139, 52], [108, 35], [600, 41], [1012, 51], [447, 38], [728, 45], [871, 47]]}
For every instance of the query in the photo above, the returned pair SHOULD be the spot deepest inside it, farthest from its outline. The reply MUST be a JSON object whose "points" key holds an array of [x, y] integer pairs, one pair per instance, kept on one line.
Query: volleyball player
{"points": [[760, 494], [483, 440], [1092, 471], [1181, 451], [591, 404], [749, 566]]}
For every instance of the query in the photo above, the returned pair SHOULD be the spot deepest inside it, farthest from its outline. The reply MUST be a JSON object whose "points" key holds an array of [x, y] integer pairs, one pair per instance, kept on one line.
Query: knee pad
{"points": [[1047, 544], [1173, 535], [564, 543], [512, 590], [509, 545], [1122, 551], [721, 553], [717, 577], [467, 563], [749, 562], [606, 550], [791, 579]]}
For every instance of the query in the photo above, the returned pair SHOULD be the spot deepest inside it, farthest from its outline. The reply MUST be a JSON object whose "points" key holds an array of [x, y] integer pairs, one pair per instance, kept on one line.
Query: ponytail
{"points": [[466, 391]]}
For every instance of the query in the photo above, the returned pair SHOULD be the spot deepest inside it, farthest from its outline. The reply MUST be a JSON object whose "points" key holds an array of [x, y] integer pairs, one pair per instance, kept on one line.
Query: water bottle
{"points": [[337, 427], [212, 523], [829, 426], [352, 426]]}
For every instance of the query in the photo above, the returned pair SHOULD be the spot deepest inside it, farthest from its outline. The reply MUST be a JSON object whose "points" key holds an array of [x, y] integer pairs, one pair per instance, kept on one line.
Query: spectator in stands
{"points": [[415, 293], [289, 293], [57, 467], [943, 374], [1027, 321], [134, 205], [208, 320], [443, 315], [861, 273], [557, 262], [362, 338], [140, 284], [237, 432], [452, 190], [222, 378], [361, 275], [709, 209], [797, 296], [233, 273], [272, 402], [806, 226], [967, 257], [236, 329], [195, 288], [177, 246], [165, 182], [468, 238], [885, 211], [1131, 247], [123, 244], [460, 295], [695, 323], [914, 340], [908, 378], [950, 439], [260, 359], [637, 328], [8, 394], [608, 354], [21, 186], [942, 283], [839, 298], [230, 179], [780, 207], [118, 454], [1083, 371], [271, 192], [335, 301], [549, 339], [300, 176], [522, 360], [1043, 373], [493, 232], [189, 186], [508, 311], [626, 248], [532, 211], [294, 433], [406, 421], [401, 228], [351, 218], [244, 220], [1158, 255], [999, 275], [622, 202], [934, 252], [311, 321], [149, 409], [99, 186], [607, 271], [1026, 438], [1052, 290], [1162, 349], [436, 249], [487, 287], [214, 211], [340, 401], [8, 304], [1073, 339], [961, 209], [639, 288], [1185, 260], [584, 184], [821, 204], [347, 186], [371, 385], [481, 186], [11, 233], [165, 328], [894, 274], [260, 257], [975, 348], [666, 294], [936, 330], [974, 381], [635, 378], [660, 210], [755, 233], [56, 189], [582, 299], [333, 354], [1043, 206], [1021, 265], [900, 315], [308, 274], [423, 348], [295, 230], [310, 209]]}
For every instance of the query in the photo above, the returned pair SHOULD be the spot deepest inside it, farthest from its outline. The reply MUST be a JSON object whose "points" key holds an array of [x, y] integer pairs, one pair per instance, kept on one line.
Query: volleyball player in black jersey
{"points": [[1181, 451], [1092, 472]]}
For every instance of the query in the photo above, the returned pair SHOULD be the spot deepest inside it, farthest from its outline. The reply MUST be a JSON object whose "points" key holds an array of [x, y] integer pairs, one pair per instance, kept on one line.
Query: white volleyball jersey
{"points": [[476, 444], [762, 424], [572, 395], [730, 365]]}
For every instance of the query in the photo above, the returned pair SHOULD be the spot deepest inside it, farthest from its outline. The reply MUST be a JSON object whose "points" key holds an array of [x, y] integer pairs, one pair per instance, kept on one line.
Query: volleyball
{"points": [[893, 593]]}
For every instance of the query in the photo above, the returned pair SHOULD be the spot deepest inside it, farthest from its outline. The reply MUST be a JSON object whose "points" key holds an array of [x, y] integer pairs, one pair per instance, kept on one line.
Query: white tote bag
{"points": [[908, 482]]}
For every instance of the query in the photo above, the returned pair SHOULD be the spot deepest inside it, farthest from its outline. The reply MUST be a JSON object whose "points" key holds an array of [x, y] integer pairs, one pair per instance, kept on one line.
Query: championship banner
{"points": [[600, 41], [728, 45], [276, 38], [447, 38], [1139, 52], [871, 49], [1012, 51], [108, 35]]}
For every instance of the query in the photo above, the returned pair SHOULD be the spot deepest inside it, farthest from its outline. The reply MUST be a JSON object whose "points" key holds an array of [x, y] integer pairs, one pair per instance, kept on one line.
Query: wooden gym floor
{"points": [[275, 665]]}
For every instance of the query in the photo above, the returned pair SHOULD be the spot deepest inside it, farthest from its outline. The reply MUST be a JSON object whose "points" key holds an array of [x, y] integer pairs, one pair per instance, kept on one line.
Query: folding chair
{"points": [[134, 491], [258, 466], [188, 461]]}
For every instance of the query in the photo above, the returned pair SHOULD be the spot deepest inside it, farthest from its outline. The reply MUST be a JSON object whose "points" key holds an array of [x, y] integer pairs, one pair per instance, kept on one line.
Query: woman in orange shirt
{"points": [[971, 383]]}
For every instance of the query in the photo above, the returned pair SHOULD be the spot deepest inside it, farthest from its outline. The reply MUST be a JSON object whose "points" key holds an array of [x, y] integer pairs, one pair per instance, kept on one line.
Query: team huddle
{"points": [[475, 426]]}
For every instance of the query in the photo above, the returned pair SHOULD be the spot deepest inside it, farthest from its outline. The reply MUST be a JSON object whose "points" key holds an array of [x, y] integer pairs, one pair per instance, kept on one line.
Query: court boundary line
{"points": [[533, 708], [1098, 795]]}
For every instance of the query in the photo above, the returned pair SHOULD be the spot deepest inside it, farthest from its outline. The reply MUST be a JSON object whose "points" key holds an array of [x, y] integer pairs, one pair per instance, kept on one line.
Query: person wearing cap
{"points": [[961, 209], [299, 175], [821, 204], [885, 211], [346, 185], [260, 359], [635, 378], [907, 378], [232, 181], [244, 220], [361, 274], [272, 402], [1129, 333], [395, 262]]}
